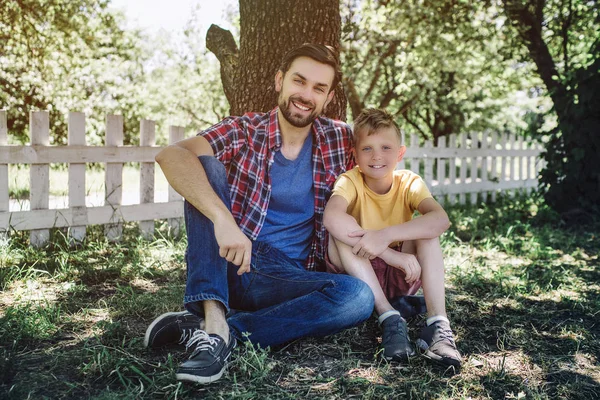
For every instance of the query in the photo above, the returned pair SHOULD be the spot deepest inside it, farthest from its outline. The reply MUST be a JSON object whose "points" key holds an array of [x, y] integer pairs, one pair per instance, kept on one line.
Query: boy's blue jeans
{"points": [[278, 300]]}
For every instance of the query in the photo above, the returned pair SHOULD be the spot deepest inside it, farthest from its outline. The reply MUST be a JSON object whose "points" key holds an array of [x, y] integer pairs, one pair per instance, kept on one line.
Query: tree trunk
{"points": [[268, 29]]}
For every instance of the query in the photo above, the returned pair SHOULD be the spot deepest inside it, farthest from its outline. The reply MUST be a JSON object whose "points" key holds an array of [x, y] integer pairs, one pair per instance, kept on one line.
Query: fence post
{"points": [[401, 164], [463, 168], [452, 169], [441, 170], [176, 133], [503, 158], [484, 162], [513, 161], [4, 197], [77, 179], [494, 162], [39, 174], [114, 178], [473, 161], [147, 138]]}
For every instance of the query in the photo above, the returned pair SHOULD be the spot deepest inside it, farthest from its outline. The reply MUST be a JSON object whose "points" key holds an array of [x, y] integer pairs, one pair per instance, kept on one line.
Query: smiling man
{"points": [[255, 189]]}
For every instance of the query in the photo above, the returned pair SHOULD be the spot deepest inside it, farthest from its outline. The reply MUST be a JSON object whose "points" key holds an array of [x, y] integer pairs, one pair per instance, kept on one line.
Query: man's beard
{"points": [[296, 120]]}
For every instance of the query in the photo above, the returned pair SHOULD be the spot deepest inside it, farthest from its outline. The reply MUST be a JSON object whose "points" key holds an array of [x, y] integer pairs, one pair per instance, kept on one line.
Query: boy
{"points": [[374, 238]]}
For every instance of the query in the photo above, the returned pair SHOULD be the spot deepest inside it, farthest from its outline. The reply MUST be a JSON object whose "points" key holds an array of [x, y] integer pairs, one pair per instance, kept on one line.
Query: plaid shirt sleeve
{"points": [[225, 138]]}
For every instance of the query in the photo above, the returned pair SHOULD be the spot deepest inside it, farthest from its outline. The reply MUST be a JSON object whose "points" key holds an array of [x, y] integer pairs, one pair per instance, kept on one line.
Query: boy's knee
{"points": [[427, 243]]}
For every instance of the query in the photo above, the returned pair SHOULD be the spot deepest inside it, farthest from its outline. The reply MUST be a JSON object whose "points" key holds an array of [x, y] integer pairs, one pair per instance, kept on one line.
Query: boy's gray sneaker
{"points": [[171, 328], [437, 343], [208, 360], [395, 342]]}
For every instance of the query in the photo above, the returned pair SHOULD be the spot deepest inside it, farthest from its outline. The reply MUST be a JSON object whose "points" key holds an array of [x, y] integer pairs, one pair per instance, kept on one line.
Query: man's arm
{"points": [[185, 174]]}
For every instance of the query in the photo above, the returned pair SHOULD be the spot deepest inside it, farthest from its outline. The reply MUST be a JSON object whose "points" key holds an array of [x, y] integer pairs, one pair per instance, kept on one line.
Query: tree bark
{"points": [[268, 30]]}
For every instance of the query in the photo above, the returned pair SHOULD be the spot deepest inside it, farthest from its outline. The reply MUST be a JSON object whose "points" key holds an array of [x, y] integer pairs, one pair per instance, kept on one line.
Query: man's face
{"points": [[304, 91]]}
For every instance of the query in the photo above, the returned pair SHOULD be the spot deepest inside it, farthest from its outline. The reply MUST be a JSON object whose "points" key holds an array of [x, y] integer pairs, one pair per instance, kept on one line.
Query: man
{"points": [[255, 189]]}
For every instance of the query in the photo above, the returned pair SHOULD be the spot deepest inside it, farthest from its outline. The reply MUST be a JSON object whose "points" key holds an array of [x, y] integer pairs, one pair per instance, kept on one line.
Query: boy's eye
{"points": [[366, 148]]}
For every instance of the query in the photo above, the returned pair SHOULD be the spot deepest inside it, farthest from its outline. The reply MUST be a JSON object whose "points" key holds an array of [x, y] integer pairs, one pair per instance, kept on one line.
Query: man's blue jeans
{"points": [[278, 300]]}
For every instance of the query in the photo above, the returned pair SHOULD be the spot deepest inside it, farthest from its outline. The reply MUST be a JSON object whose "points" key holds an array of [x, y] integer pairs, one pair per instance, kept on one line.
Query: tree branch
{"points": [[221, 42], [356, 105]]}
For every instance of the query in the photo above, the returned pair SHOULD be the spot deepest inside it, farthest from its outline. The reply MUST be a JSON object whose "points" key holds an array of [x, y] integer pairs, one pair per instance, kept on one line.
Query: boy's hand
{"points": [[234, 246], [404, 261], [372, 243]]}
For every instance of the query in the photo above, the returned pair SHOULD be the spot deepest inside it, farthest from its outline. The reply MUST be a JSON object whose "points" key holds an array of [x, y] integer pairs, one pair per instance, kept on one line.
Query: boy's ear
{"points": [[278, 81], [401, 152]]}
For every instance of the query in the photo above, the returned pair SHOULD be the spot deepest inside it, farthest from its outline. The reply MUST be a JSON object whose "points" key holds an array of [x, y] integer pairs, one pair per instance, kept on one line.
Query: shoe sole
{"points": [[200, 379], [434, 357], [156, 321]]}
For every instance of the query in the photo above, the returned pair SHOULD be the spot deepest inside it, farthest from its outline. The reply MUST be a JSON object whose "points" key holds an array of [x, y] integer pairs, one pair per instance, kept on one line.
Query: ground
{"points": [[523, 297]]}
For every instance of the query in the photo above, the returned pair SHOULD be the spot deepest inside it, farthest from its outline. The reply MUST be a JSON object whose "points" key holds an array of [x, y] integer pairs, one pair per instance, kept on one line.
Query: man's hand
{"points": [[372, 243], [404, 261], [234, 246]]}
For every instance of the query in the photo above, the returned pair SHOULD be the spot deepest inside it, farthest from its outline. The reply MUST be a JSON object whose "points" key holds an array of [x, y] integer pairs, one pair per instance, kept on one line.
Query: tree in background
{"points": [[440, 67], [268, 29], [61, 55], [562, 38]]}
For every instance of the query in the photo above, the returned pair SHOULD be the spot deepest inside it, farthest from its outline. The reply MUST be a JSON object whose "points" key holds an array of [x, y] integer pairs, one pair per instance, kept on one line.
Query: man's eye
{"points": [[320, 90]]}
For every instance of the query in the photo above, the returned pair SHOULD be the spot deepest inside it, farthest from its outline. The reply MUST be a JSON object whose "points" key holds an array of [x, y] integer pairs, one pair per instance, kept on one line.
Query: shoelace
{"points": [[401, 330], [446, 334], [186, 335], [202, 342]]}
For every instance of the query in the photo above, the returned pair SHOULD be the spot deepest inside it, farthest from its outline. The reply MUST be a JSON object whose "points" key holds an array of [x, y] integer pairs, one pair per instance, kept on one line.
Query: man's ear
{"points": [[401, 152], [278, 81], [329, 98]]}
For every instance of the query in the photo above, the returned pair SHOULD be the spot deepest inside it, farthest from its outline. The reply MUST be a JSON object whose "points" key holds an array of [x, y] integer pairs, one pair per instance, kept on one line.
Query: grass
{"points": [[523, 293]]}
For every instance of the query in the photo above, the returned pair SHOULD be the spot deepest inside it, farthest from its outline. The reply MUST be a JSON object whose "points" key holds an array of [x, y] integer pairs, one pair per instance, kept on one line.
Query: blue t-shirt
{"points": [[289, 223]]}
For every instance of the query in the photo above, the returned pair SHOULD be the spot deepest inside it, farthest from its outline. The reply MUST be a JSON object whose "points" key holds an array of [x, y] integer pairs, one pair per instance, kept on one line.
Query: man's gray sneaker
{"points": [[437, 343], [395, 342], [171, 328], [208, 360]]}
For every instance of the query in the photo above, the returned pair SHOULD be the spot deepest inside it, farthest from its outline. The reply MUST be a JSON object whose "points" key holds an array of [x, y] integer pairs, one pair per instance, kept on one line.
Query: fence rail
{"points": [[474, 165]]}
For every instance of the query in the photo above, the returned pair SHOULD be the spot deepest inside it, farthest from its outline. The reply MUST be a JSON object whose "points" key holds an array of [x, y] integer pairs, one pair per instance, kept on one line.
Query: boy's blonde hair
{"points": [[373, 119]]}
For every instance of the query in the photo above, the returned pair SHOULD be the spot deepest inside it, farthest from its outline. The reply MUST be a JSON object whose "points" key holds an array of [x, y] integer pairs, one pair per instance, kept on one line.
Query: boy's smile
{"points": [[377, 155]]}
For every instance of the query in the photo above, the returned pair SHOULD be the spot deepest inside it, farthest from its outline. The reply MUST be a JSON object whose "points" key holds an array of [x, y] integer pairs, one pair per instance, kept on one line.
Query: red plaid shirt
{"points": [[246, 146]]}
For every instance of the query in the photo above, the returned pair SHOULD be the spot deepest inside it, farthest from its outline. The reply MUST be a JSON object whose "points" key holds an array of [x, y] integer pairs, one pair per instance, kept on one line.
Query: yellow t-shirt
{"points": [[377, 211]]}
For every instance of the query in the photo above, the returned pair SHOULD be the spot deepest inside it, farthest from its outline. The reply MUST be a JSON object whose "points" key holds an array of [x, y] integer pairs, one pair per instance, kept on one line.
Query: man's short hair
{"points": [[373, 119], [318, 52]]}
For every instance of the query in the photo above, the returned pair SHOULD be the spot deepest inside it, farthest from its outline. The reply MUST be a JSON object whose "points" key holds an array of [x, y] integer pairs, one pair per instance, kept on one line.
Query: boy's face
{"points": [[304, 90], [377, 154]]}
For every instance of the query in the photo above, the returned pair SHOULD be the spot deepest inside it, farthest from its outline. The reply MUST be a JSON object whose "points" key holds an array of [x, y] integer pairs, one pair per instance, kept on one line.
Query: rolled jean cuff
{"points": [[191, 303]]}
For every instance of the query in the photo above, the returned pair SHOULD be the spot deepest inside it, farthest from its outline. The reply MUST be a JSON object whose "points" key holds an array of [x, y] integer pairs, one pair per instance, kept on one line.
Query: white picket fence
{"points": [[39, 218], [481, 164]]}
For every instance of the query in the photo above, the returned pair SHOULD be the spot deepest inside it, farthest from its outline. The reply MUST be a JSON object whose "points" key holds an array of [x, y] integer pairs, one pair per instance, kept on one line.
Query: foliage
{"points": [[562, 40], [65, 56], [62, 55], [441, 67]]}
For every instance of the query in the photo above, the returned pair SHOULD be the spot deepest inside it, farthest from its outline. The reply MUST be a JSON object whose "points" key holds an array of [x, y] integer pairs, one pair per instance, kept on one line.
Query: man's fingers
{"points": [[245, 267]]}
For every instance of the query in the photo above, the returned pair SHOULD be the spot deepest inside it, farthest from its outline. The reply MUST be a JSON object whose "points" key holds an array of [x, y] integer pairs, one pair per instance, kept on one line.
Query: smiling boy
{"points": [[375, 238]]}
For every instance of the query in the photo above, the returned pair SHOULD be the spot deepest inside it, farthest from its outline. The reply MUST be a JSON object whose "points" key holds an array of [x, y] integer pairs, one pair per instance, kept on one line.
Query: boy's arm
{"points": [[338, 222], [432, 223], [340, 225]]}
